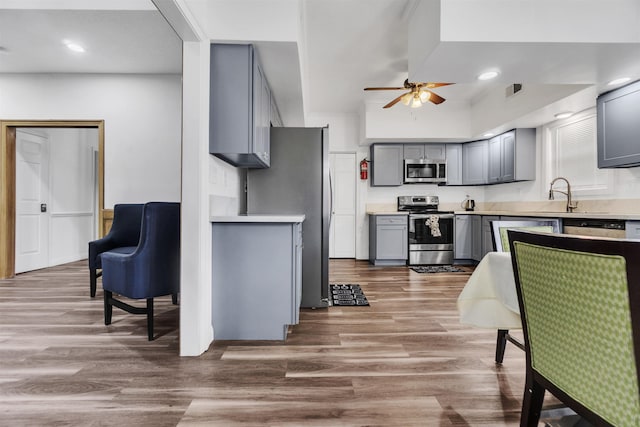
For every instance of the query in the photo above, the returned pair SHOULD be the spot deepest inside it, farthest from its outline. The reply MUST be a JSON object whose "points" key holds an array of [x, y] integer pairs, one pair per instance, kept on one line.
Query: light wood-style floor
{"points": [[403, 361]]}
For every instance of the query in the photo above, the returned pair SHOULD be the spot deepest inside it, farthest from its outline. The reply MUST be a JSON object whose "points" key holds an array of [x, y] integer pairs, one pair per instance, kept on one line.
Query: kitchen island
{"points": [[256, 276]]}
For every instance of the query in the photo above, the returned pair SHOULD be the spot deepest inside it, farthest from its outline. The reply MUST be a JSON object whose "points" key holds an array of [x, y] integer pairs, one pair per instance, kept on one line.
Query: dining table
{"points": [[489, 298]]}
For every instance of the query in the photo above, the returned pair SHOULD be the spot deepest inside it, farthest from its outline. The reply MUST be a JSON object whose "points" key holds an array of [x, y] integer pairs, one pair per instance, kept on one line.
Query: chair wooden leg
{"points": [[150, 318], [501, 344], [174, 299], [93, 278], [108, 308], [531, 404]]}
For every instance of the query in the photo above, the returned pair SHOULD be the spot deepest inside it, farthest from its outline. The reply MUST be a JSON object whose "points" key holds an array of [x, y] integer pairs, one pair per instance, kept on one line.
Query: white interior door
{"points": [[32, 217], [343, 227]]}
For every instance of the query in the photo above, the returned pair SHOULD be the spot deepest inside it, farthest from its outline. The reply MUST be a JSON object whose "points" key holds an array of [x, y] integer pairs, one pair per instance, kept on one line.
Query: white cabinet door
{"points": [[343, 224]]}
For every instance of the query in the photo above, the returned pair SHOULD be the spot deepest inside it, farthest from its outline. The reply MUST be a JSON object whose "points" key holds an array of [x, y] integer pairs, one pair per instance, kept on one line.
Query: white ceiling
{"points": [[347, 45], [115, 41]]}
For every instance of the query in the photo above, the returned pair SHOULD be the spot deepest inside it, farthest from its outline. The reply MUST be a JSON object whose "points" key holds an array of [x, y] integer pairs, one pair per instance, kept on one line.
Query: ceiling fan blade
{"points": [[395, 101], [432, 85], [384, 88], [434, 97]]}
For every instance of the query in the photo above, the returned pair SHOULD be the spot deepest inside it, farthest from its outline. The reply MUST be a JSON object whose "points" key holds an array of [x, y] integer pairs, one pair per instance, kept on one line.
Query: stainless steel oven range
{"points": [[430, 230]]}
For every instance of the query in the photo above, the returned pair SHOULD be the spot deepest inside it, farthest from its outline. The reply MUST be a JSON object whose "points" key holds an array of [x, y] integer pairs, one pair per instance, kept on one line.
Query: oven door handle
{"points": [[425, 216]]}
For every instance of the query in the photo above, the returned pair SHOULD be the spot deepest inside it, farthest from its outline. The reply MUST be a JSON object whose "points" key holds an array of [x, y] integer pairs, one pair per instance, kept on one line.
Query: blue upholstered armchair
{"points": [[151, 270], [123, 237]]}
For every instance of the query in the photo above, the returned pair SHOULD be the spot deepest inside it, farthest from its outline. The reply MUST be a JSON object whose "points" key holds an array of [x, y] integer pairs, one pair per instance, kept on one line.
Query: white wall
{"points": [[196, 331], [142, 115]]}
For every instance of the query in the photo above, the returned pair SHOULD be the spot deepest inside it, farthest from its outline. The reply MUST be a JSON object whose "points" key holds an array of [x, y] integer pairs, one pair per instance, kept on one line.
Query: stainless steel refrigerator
{"points": [[298, 182]]}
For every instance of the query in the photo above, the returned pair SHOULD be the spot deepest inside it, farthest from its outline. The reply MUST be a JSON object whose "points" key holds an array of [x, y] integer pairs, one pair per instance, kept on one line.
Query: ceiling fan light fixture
{"points": [[406, 98], [417, 93]]}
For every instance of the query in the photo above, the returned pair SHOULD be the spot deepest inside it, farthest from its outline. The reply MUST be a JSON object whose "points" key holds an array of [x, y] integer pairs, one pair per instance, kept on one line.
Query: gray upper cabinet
{"points": [[619, 127], [387, 164], [424, 151], [240, 107], [435, 151], [512, 156], [495, 160], [413, 151], [454, 164], [475, 161]]}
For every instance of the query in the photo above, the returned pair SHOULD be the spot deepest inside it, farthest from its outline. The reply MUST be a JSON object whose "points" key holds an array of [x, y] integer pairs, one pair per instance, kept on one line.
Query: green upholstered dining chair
{"points": [[579, 303], [501, 244]]}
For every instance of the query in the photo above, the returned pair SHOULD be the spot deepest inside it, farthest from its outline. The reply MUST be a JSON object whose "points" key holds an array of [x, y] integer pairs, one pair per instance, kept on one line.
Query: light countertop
{"points": [[585, 215], [258, 218], [536, 214]]}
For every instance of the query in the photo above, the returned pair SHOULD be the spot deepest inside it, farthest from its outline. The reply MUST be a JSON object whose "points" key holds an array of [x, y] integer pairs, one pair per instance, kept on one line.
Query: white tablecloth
{"points": [[489, 299]]}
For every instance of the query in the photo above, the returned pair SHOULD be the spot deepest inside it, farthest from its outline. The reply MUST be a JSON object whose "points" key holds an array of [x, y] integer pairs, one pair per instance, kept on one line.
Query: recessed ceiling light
{"points": [[74, 46], [488, 135], [488, 75], [619, 81], [564, 115]]}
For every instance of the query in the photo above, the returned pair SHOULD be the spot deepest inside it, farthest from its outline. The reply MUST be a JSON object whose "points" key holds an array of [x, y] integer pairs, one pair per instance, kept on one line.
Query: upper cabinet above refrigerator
{"points": [[239, 107]]}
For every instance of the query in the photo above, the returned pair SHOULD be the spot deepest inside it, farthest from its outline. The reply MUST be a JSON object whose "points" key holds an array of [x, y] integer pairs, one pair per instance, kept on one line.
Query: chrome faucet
{"points": [[570, 205]]}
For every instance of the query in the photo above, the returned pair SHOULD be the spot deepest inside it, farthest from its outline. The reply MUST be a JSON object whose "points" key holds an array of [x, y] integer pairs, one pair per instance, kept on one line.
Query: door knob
{"points": [[43, 207]]}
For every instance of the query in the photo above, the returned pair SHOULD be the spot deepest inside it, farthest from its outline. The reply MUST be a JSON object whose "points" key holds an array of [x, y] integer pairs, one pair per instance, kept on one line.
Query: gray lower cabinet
{"points": [[256, 279], [463, 237], [632, 230], [239, 106], [487, 236], [388, 239], [387, 162], [468, 238]]}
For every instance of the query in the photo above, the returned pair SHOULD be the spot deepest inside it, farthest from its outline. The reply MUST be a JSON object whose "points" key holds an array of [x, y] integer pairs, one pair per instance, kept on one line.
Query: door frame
{"points": [[8, 182]]}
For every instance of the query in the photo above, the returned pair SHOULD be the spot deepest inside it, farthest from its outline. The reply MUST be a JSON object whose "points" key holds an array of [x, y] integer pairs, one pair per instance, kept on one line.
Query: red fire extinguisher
{"points": [[364, 169]]}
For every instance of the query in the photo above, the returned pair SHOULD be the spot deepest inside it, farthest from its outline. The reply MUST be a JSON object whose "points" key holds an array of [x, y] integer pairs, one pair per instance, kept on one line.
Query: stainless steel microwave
{"points": [[425, 170]]}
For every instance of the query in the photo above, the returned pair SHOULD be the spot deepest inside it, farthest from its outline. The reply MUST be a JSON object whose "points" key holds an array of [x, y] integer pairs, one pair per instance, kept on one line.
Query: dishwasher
{"points": [[595, 227]]}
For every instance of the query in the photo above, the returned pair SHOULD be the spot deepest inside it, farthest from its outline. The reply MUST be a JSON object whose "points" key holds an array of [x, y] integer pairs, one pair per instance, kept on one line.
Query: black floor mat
{"points": [[347, 294], [437, 269]]}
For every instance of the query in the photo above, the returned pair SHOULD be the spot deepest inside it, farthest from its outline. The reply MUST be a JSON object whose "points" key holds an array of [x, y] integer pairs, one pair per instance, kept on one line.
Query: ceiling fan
{"points": [[418, 94]]}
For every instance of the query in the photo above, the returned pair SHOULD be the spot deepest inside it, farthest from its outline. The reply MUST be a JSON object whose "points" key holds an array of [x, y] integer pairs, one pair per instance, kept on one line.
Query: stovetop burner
{"points": [[420, 205]]}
